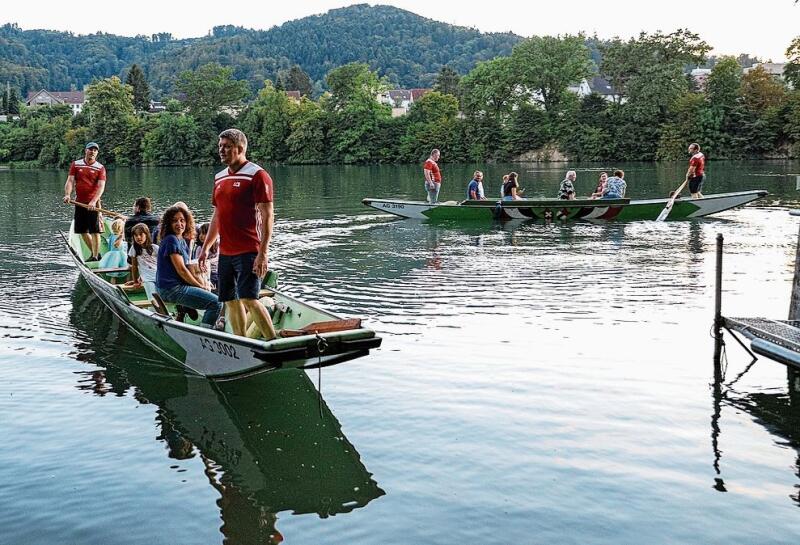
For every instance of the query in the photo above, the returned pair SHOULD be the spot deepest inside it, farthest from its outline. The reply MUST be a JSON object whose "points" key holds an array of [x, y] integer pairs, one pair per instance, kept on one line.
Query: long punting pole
{"points": [[794, 314]]}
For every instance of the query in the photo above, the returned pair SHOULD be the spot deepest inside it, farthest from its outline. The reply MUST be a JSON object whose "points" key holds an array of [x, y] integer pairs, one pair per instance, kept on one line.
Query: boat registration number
{"points": [[218, 347], [392, 205]]}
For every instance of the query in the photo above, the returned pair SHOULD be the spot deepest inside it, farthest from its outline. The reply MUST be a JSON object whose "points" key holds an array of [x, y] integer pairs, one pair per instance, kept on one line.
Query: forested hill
{"points": [[401, 45]]}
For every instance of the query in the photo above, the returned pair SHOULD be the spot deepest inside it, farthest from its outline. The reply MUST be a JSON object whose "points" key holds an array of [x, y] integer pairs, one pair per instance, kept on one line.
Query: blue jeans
{"points": [[193, 297], [433, 191], [612, 196]]}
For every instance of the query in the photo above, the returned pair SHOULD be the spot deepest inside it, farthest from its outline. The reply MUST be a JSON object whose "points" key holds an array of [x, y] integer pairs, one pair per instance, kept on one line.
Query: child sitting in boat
{"points": [[144, 257], [601, 186], [213, 256], [116, 256], [615, 186]]}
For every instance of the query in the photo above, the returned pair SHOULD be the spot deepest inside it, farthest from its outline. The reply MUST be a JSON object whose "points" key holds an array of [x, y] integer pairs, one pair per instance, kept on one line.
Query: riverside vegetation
{"points": [[500, 109]]}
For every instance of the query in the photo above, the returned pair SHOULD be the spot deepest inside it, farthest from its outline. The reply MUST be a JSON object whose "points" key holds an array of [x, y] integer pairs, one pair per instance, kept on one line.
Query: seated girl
{"points": [[601, 186], [511, 190], [213, 256], [144, 258], [174, 281], [116, 257]]}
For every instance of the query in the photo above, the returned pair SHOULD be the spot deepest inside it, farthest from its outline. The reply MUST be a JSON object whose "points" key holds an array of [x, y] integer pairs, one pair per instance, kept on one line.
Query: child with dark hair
{"points": [[144, 258]]}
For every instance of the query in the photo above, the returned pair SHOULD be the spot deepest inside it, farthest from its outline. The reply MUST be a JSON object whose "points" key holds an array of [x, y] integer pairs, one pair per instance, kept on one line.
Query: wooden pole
{"points": [[718, 306], [794, 304]]}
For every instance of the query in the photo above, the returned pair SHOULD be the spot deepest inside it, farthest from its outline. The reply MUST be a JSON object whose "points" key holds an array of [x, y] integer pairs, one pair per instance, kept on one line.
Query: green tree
{"points": [[110, 111], [295, 79], [141, 90], [723, 84], [447, 81], [489, 89], [309, 128], [267, 122], [547, 65], [792, 69], [356, 114], [13, 102], [175, 140], [210, 88]]}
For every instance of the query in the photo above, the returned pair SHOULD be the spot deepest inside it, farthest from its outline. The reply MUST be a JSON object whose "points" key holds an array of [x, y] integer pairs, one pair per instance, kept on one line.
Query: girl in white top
{"points": [[144, 256]]}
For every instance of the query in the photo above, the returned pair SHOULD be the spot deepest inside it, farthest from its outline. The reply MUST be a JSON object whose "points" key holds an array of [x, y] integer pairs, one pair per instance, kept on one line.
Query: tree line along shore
{"points": [[515, 107]]}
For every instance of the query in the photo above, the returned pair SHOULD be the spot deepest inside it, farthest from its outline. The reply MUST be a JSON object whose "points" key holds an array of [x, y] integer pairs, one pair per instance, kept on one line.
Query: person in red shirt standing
{"points": [[696, 174], [88, 177], [242, 220], [433, 176]]}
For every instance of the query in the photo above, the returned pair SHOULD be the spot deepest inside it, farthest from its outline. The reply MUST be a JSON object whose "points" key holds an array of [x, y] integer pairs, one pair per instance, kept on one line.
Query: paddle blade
{"points": [[664, 213]]}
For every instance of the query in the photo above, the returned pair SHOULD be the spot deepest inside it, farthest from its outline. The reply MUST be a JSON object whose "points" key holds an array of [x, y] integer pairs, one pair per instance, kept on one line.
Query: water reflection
{"points": [[268, 444], [779, 413]]}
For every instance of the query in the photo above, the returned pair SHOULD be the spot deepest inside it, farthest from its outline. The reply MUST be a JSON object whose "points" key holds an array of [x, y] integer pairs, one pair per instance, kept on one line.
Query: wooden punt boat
{"points": [[560, 210], [221, 354]]}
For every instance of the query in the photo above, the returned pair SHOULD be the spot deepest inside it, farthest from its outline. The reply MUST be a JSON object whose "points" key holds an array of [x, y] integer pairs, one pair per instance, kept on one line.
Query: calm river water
{"points": [[536, 384]]}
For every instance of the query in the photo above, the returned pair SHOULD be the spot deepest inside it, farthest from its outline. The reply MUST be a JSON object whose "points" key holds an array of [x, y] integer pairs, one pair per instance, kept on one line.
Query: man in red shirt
{"points": [[242, 220], [88, 177], [433, 176], [696, 174]]}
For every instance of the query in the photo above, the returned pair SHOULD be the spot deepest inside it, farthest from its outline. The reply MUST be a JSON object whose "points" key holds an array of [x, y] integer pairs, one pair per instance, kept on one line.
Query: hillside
{"points": [[401, 45]]}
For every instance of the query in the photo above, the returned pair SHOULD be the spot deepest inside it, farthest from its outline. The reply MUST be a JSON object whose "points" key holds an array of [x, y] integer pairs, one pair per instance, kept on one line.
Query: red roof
{"points": [[417, 94]]}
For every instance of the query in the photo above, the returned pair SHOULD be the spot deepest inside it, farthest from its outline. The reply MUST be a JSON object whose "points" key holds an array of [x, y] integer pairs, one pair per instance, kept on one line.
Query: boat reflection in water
{"points": [[269, 443]]}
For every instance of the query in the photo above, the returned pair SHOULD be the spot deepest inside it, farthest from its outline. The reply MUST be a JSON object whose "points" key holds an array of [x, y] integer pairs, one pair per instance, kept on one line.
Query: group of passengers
{"points": [[197, 268], [608, 187]]}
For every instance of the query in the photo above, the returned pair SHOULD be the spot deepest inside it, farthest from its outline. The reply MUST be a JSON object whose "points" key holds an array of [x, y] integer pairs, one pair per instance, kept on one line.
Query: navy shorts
{"points": [[86, 221], [696, 183], [236, 277]]}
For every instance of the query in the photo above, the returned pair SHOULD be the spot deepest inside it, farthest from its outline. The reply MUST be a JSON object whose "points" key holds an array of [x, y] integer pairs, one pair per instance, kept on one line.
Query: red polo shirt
{"points": [[87, 179], [234, 198], [436, 174]]}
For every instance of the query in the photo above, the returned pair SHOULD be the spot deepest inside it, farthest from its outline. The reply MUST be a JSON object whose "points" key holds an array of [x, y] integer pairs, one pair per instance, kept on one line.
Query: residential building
{"points": [[700, 77], [73, 99], [401, 99]]}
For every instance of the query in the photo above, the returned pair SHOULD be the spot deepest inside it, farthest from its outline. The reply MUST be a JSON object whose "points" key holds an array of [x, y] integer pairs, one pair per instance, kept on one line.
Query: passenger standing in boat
{"points": [[601, 185], [242, 221], [615, 186], [175, 282], [88, 177], [696, 174], [475, 187], [142, 213], [511, 190], [567, 189], [433, 176]]}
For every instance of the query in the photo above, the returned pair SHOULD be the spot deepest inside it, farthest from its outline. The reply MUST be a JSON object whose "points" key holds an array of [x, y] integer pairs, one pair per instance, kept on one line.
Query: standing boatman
{"points": [[88, 177], [696, 174], [433, 176], [242, 220]]}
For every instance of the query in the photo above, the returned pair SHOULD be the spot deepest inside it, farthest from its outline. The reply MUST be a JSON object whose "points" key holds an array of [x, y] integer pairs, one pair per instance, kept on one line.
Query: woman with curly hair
{"points": [[175, 281]]}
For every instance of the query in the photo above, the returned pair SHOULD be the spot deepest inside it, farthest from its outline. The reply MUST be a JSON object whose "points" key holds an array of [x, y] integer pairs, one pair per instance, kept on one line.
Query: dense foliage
{"points": [[406, 48], [510, 107]]}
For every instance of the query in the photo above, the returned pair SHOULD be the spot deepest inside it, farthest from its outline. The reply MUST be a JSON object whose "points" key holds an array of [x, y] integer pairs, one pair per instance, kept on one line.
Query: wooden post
{"points": [[794, 304], [718, 306]]}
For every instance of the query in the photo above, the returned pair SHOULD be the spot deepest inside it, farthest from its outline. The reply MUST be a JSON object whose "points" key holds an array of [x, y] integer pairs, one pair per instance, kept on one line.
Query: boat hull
{"points": [[221, 355], [546, 210]]}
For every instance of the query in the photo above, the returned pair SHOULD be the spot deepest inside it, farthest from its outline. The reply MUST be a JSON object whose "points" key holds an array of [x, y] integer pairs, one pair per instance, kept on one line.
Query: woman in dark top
{"points": [[175, 282], [511, 190]]}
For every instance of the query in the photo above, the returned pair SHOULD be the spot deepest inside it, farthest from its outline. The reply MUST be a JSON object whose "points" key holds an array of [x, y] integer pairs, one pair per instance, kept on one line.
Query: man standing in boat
{"points": [[88, 177], [433, 176], [696, 174], [242, 220]]}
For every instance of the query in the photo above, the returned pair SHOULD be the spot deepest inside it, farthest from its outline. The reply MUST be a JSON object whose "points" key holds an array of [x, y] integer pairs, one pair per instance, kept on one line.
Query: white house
{"points": [[73, 99], [401, 100]]}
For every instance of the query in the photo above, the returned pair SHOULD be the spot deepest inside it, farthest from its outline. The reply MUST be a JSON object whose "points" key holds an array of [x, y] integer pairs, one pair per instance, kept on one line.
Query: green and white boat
{"points": [[321, 338], [561, 210]]}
